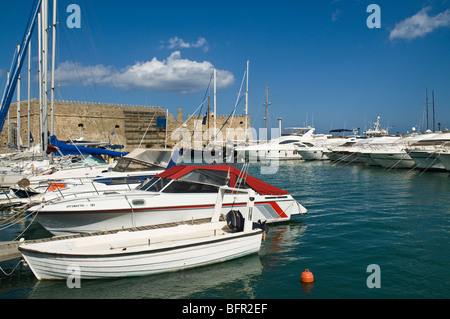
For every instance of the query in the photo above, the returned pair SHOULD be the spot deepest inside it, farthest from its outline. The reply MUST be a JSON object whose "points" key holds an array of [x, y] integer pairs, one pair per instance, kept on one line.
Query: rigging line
{"points": [[76, 68], [102, 41], [148, 126], [238, 98], [223, 126], [204, 99], [189, 117]]}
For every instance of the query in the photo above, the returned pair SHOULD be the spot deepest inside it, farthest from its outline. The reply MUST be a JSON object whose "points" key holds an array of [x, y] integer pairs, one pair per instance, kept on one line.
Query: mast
{"points": [[267, 103], [426, 103], [246, 106], [167, 121], [9, 129], [29, 92], [207, 122], [44, 16], [215, 101], [18, 107], [432, 96], [52, 95], [16, 66], [41, 114]]}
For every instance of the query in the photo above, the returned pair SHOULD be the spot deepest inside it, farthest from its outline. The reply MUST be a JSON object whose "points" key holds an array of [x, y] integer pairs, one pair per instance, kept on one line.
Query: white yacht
{"points": [[425, 152], [285, 147]]}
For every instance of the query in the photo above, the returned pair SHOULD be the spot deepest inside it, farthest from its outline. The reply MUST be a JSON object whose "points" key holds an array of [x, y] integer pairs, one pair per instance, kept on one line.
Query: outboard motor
{"points": [[261, 225], [235, 220]]}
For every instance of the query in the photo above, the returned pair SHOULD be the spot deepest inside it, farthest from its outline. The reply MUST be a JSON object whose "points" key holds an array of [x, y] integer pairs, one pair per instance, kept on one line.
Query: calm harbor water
{"points": [[358, 216]]}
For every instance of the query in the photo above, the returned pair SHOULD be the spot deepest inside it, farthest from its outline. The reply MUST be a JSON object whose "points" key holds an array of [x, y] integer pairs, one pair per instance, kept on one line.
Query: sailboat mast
{"points": [[207, 122], [41, 114], [246, 105], [18, 108], [267, 103], [426, 102], [29, 92], [44, 15], [432, 97], [52, 95], [215, 101]]}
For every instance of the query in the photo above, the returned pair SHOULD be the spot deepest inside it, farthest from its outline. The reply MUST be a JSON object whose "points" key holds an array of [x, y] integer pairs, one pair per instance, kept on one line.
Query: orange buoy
{"points": [[307, 276]]}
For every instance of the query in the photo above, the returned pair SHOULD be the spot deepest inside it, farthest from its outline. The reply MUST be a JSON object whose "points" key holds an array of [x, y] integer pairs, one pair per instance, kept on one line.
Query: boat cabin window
{"points": [[207, 176], [178, 186], [288, 142], [349, 144], [131, 165], [155, 184]]}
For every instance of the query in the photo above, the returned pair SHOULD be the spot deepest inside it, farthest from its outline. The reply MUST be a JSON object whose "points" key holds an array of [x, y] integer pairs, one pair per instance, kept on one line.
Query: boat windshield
{"points": [[131, 165], [206, 176], [176, 186], [154, 184], [288, 142]]}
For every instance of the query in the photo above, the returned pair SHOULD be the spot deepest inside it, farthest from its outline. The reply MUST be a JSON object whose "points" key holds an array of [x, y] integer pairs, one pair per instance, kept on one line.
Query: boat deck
{"points": [[10, 250]]}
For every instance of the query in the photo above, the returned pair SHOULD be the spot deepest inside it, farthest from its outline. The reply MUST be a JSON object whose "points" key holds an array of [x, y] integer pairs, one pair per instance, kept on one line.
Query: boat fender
{"points": [[261, 225], [235, 220]]}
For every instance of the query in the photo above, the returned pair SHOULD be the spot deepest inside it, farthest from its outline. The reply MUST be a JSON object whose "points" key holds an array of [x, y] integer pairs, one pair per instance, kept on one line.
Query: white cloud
{"points": [[176, 43], [420, 24], [173, 74]]}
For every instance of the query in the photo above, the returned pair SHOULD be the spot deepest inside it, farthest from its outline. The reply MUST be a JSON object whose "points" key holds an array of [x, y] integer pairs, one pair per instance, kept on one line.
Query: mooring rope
{"points": [[9, 274]]}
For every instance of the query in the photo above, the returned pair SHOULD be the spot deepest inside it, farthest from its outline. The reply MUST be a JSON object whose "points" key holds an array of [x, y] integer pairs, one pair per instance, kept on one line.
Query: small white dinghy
{"points": [[149, 249]]}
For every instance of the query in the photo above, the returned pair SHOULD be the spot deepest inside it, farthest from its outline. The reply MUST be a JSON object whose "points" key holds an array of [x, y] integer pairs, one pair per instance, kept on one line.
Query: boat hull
{"points": [[141, 259], [393, 159], [120, 211], [445, 160], [427, 160], [312, 154]]}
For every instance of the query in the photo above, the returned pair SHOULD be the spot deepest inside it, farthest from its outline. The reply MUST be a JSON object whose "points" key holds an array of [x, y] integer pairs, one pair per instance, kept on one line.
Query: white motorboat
{"points": [[395, 155], [426, 160], [148, 250], [285, 147], [425, 152], [392, 158], [346, 152], [72, 170], [130, 171], [180, 193], [373, 145], [310, 152]]}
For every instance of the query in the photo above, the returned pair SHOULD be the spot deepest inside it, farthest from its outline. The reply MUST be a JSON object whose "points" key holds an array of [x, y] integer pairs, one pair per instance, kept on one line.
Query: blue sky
{"points": [[321, 61]]}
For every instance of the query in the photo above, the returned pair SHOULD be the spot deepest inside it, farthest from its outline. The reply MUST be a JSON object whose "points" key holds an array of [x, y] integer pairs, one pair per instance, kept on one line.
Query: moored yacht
{"points": [[180, 193], [285, 147], [425, 152]]}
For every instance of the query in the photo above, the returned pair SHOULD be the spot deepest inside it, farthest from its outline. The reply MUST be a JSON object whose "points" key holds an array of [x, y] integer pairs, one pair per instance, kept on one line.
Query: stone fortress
{"points": [[128, 125]]}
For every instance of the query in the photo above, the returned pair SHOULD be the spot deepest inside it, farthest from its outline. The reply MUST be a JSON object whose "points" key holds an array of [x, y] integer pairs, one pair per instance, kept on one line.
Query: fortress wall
{"points": [[127, 125]]}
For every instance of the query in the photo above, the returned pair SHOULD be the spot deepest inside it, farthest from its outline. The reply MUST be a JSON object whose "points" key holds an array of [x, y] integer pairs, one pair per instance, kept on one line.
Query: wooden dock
{"points": [[9, 250]]}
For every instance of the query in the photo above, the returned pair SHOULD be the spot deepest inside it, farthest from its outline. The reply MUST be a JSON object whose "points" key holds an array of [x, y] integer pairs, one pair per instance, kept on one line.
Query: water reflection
{"points": [[283, 242], [176, 285]]}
